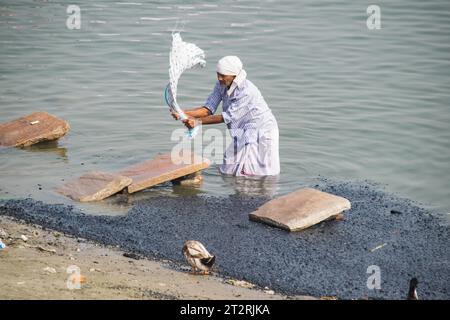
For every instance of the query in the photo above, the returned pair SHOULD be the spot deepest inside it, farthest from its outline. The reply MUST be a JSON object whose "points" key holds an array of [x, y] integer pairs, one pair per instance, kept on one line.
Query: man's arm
{"points": [[199, 112], [211, 119]]}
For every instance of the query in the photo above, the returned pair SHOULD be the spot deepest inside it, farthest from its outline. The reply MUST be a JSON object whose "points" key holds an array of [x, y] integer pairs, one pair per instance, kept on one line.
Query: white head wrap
{"points": [[232, 66]]}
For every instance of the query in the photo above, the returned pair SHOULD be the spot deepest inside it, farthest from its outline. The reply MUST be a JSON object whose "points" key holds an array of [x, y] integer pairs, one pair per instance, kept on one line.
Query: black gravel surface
{"points": [[329, 259]]}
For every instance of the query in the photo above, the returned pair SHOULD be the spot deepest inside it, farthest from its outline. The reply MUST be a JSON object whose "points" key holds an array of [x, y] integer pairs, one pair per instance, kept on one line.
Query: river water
{"points": [[351, 103]]}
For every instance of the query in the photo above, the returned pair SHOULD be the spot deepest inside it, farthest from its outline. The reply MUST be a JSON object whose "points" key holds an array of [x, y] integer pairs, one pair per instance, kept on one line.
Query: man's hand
{"points": [[190, 122], [175, 115]]}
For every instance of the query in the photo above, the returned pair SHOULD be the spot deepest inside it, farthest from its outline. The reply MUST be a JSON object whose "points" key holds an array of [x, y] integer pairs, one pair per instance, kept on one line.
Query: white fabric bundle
{"points": [[183, 56]]}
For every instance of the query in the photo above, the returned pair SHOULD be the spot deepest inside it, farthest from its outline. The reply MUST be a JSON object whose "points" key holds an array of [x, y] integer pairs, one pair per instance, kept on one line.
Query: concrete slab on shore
{"points": [[300, 209]]}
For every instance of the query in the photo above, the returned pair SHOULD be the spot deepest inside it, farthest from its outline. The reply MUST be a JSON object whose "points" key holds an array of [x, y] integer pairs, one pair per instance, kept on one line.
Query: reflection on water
{"points": [[48, 146], [253, 186]]}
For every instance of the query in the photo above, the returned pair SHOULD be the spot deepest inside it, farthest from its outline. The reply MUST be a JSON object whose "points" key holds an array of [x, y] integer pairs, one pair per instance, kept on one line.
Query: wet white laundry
{"points": [[183, 56]]}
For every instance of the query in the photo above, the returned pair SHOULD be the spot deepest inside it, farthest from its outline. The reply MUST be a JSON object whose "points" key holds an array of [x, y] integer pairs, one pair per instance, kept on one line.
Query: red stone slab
{"points": [[31, 129], [94, 186], [161, 169], [300, 209]]}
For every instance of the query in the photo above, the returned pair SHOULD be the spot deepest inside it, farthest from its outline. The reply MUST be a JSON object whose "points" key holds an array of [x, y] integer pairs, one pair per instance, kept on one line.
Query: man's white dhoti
{"points": [[254, 159]]}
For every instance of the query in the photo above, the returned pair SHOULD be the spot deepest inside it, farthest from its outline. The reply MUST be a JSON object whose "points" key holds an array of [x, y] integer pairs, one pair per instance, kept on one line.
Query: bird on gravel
{"points": [[198, 257]]}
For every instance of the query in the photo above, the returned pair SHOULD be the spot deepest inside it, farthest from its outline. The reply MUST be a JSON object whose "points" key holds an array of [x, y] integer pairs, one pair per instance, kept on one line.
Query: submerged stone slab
{"points": [[193, 179], [31, 129], [163, 168], [94, 186], [300, 209]]}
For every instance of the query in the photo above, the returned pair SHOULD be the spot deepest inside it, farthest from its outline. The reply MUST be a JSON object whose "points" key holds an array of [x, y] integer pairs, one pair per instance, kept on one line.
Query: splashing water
{"points": [[183, 56]]}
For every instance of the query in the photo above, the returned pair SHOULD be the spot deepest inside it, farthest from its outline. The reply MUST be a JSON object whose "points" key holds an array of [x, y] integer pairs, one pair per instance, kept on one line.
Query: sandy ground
{"points": [[37, 269]]}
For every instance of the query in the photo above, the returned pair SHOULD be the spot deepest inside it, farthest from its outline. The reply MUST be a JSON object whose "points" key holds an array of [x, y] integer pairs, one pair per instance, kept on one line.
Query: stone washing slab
{"points": [[162, 169], [193, 179], [31, 129], [300, 209], [94, 186]]}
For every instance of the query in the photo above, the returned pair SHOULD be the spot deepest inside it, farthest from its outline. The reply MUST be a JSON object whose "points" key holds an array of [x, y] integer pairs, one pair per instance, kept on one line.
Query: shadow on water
{"points": [[48, 147]]}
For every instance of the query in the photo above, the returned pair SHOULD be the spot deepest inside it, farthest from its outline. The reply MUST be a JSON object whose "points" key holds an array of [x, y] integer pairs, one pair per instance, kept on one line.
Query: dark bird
{"points": [[412, 293], [198, 257]]}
